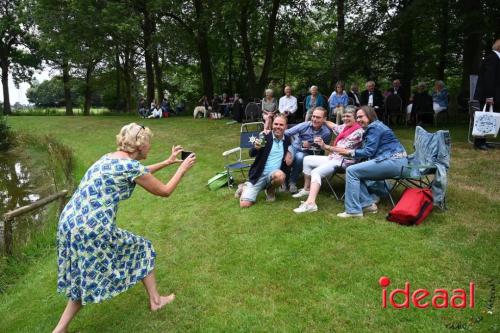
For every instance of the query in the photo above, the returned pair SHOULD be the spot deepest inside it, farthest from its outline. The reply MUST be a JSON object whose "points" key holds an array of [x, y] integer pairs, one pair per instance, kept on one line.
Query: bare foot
{"points": [[164, 300]]}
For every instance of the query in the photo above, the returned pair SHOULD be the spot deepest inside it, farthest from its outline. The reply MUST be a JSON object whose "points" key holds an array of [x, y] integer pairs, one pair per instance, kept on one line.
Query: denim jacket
{"points": [[379, 143]]}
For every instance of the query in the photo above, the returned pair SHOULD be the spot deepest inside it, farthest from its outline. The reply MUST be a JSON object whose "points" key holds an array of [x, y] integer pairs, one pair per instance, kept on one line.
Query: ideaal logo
{"points": [[422, 298]]}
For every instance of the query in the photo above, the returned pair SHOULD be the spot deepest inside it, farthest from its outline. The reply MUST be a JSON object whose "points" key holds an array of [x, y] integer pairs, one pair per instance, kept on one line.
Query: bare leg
{"points": [[156, 301], [307, 182], [313, 193], [268, 124], [68, 314]]}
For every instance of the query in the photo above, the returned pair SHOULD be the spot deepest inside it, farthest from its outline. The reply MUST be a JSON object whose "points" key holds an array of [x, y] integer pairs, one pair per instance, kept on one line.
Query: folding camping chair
{"points": [[339, 172], [427, 166], [234, 160], [252, 112], [394, 109]]}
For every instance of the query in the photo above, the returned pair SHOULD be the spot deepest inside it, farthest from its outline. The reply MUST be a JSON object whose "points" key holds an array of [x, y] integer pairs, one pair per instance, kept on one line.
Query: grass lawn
{"points": [[266, 268]]}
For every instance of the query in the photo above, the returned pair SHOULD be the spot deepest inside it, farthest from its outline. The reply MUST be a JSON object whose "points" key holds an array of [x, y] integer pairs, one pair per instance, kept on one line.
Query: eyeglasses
{"points": [[139, 131]]}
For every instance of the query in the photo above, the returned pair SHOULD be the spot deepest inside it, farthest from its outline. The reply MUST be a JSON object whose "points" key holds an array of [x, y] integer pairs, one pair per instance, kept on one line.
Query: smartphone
{"points": [[185, 154]]}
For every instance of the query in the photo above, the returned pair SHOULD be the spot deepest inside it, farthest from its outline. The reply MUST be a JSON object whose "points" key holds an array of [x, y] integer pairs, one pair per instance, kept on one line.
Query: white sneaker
{"points": [[306, 208], [345, 215], [292, 188], [301, 193], [371, 209]]}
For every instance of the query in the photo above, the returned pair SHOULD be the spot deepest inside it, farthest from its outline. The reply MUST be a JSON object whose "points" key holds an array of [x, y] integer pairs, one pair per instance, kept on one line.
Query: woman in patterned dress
{"points": [[96, 259]]}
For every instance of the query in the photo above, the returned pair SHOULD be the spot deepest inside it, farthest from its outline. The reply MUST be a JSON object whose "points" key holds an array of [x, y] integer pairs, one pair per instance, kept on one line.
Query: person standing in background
{"points": [[488, 87]]}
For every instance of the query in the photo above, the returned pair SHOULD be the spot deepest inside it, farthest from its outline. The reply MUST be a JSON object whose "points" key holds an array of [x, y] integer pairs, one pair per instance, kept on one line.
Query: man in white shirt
{"points": [[288, 103]]}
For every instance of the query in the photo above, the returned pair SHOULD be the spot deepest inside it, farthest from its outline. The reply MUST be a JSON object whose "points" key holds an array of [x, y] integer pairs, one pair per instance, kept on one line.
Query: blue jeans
{"points": [[358, 175], [297, 165], [251, 191]]}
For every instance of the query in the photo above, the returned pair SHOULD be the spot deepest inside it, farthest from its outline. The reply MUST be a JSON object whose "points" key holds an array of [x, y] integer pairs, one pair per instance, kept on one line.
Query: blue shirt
{"points": [[275, 157], [379, 143], [306, 132], [319, 102], [441, 97], [336, 99]]}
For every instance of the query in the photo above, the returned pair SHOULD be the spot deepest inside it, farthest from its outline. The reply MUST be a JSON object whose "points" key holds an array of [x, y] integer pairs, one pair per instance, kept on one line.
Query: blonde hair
{"points": [[132, 136]]}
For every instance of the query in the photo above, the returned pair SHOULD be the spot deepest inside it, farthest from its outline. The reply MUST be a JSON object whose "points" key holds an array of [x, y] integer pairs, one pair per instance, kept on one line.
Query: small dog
{"points": [[200, 109]]}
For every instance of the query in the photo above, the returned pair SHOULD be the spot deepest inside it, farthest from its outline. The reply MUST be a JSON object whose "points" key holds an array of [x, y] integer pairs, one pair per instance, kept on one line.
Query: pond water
{"points": [[23, 180]]}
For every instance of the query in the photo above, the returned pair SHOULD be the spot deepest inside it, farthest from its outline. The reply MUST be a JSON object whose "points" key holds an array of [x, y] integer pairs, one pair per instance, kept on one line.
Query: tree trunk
{"points": [[405, 64], [127, 78], [4, 64], [206, 66], [67, 88], [158, 73], [88, 90], [339, 45], [443, 36], [148, 31], [247, 54], [203, 50], [230, 66], [266, 69], [119, 104], [472, 42]]}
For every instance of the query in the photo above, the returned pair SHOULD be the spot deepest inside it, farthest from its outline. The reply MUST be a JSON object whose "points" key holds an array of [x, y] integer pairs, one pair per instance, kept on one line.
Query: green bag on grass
{"points": [[219, 180]]}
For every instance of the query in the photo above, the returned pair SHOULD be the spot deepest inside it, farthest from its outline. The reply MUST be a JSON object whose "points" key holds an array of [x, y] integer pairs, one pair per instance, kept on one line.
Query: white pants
{"points": [[320, 166], [437, 108]]}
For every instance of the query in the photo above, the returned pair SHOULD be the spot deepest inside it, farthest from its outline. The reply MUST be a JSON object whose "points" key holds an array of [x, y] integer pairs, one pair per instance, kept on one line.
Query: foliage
{"points": [[17, 44], [50, 93], [267, 267], [123, 50]]}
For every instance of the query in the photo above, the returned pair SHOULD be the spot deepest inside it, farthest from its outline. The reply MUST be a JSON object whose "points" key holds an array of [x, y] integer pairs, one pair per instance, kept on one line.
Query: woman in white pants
{"points": [[350, 136]]}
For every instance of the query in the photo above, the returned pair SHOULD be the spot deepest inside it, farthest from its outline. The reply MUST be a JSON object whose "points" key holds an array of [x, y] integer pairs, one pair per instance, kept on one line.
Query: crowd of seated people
{"points": [[424, 106], [364, 146], [349, 130], [159, 110]]}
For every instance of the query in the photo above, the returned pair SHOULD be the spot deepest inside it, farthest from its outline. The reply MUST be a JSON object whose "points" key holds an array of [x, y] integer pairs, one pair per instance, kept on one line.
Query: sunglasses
{"points": [[139, 131]]}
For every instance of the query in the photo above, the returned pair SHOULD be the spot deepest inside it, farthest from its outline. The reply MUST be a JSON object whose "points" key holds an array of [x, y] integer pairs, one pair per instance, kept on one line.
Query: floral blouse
{"points": [[353, 141]]}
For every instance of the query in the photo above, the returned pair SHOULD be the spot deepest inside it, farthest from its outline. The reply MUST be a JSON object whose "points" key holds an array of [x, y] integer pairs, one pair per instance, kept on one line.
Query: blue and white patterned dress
{"points": [[96, 259]]}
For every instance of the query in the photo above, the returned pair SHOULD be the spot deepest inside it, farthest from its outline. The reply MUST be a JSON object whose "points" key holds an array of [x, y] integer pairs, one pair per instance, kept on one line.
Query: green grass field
{"points": [[266, 268]]}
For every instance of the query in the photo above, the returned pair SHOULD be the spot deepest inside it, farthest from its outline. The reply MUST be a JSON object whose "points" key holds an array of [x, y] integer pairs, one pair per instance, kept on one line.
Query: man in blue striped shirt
{"points": [[302, 145]]}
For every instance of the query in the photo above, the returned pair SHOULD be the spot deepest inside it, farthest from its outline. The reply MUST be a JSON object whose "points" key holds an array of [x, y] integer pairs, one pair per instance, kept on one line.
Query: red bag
{"points": [[413, 207]]}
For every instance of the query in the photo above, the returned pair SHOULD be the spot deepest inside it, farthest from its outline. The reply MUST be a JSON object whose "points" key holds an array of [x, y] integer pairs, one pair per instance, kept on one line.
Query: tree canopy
{"points": [[127, 49]]}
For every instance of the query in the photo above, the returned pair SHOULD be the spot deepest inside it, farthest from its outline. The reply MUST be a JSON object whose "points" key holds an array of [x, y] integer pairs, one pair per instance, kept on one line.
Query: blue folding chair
{"points": [[427, 166], [234, 159]]}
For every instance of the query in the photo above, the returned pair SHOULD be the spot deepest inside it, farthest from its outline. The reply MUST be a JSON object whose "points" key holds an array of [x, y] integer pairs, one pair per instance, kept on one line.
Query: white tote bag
{"points": [[486, 123]]}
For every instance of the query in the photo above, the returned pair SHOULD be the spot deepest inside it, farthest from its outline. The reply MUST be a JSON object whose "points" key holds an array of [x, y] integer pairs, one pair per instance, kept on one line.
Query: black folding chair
{"points": [[394, 109], [234, 160], [252, 112]]}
